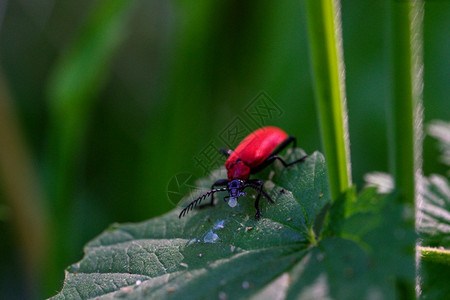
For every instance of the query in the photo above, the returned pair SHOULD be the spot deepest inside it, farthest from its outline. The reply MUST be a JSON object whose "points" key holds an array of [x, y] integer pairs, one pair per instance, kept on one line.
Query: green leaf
{"points": [[433, 226], [434, 278], [434, 230], [224, 253], [434, 213], [434, 210]]}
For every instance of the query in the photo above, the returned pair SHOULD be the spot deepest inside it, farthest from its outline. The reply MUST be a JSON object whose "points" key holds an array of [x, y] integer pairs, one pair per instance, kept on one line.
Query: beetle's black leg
{"points": [[258, 211], [226, 152], [274, 156], [220, 182], [257, 185], [286, 143]]}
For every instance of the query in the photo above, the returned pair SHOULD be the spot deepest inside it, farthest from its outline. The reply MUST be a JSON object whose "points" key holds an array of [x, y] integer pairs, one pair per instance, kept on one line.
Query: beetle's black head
{"points": [[235, 188]]}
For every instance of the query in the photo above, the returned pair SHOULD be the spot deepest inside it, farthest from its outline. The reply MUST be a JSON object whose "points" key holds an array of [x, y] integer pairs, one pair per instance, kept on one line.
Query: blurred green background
{"points": [[103, 102]]}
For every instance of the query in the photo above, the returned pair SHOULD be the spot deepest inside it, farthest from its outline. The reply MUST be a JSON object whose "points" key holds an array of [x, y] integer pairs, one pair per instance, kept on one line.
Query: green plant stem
{"points": [[405, 108], [327, 66], [402, 105], [437, 255]]}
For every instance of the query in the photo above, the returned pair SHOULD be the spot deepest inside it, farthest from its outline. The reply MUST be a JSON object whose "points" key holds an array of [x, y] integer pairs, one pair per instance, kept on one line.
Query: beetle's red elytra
{"points": [[253, 151], [258, 150]]}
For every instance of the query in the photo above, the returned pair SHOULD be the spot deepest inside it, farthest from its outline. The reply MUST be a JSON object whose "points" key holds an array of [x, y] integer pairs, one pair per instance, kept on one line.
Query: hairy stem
{"points": [[328, 72]]}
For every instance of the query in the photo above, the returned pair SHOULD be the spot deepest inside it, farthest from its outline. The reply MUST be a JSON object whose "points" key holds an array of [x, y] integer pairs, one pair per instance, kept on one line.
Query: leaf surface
{"points": [[224, 253]]}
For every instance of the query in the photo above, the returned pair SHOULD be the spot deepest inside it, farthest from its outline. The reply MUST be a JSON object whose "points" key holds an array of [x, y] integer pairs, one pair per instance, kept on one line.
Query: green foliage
{"points": [[224, 252], [434, 225], [434, 213], [434, 229], [433, 222]]}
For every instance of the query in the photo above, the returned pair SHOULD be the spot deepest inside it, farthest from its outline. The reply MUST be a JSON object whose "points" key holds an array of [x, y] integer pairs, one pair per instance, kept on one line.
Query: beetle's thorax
{"points": [[235, 187], [237, 170]]}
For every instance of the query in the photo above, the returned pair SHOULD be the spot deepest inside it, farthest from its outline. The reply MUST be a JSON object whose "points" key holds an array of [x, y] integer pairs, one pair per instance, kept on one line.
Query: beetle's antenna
{"points": [[198, 200], [260, 191]]}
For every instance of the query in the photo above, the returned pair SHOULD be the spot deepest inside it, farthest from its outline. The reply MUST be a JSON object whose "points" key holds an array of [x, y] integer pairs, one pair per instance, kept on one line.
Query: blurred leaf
{"points": [[79, 74], [434, 225], [434, 278], [74, 84], [433, 220], [441, 131], [75, 81], [224, 252], [381, 181], [78, 77], [434, 213], [5, 213], [434, 228], [386, 230]]}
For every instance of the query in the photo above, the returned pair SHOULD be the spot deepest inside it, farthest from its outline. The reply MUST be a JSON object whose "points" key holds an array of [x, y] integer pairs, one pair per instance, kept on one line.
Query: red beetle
{"points": [[258, 150]]}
